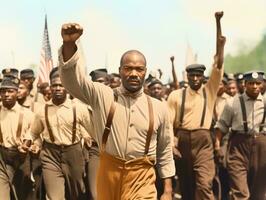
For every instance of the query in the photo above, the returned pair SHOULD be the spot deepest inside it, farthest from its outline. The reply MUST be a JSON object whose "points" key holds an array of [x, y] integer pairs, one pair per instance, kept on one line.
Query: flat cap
{"points": [[9, 82], [10, 72], [26, 73], [98, 73], [195, 68], [155, 81], [54, 73], [254, 75]]}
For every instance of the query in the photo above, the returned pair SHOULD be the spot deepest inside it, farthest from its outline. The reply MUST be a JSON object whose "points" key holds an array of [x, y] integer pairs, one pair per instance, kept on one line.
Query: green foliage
{"points": [[246, 61]]}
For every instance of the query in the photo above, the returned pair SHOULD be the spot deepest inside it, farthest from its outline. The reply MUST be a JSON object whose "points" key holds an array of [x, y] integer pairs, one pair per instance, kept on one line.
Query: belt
{"points": [[61, 147], [11, 149], [249, 134]]}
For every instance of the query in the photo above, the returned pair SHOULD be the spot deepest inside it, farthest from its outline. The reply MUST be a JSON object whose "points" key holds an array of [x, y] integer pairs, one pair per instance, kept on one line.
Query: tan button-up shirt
{"points": [[61, 122], [194, 103], [219, 105], [232, 115], [33, 106], [127, 138], [9, 120]]}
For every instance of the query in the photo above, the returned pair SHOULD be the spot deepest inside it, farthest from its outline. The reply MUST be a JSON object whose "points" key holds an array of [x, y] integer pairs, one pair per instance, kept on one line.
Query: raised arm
{"points": [[72, 69], [220, 40], [175, 80]]}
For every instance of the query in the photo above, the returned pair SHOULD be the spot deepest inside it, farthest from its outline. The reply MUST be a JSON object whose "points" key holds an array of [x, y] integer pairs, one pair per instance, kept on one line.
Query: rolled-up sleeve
{"points": [[225, 121], [165, 161]]}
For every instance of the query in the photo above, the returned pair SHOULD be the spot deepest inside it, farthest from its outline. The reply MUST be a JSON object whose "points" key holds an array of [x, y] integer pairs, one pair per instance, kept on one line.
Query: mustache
{"points": [[133, 79]]}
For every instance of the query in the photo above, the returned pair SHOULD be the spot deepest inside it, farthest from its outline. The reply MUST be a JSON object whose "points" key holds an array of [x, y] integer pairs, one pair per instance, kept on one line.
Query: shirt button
{"points": [[131, 125], [132, 111], [129, 139]]}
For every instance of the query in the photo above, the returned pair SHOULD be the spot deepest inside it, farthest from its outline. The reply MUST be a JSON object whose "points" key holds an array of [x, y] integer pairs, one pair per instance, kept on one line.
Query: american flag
{"points": [[46, 64]]}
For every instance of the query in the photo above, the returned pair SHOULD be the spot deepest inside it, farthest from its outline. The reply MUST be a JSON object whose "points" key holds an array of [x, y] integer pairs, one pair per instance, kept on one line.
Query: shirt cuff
{"points": [[167, 170]]}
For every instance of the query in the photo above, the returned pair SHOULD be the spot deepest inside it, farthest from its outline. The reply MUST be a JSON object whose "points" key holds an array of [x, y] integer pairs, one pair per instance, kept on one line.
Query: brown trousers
{"points": [[196, 168], [246, 165], [63, 169], [125, 180]]}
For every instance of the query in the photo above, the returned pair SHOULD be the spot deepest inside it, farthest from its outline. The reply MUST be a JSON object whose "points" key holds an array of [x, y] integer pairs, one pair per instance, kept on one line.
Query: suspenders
{"points": [[19, 128], [183, 107], [109, 120], [74, 127], [244, 114]]}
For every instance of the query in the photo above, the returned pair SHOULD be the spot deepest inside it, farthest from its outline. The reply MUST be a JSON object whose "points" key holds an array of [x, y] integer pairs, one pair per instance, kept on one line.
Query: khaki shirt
{"points": [[61, 122], [194, 103], [33, 106], [9, 123], [127, 138], [232, 115], [219, 105]]}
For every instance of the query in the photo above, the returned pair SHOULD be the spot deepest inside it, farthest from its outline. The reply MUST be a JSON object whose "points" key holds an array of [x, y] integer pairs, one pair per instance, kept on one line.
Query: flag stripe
{"points": [[46, 62]]}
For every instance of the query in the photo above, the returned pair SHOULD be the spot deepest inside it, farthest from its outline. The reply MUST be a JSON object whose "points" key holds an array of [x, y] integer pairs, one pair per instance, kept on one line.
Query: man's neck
{"points": [[22, 100], [58, 102]]}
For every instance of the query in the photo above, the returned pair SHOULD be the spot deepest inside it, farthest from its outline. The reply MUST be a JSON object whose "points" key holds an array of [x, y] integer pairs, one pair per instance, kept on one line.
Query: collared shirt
{"points": [[9, 120], [129, 129], [33, 106], [219, 105], [61, 122], [194, 103], [232, 115]]}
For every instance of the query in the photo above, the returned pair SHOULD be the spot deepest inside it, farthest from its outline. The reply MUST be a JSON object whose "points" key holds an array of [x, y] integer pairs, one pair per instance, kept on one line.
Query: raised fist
{"points": [[218, 15], [172, 58], [71, 32]]}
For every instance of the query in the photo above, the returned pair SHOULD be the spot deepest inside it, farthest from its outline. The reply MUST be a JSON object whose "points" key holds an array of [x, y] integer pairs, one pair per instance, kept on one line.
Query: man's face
{"points": [[253, 88], [23, 91], [57, 89], [195, 80], [115, 82], [27, 81], [47, 94], [156, 91], [232, 88], [241, 86], [9, 97], [133, 72]]}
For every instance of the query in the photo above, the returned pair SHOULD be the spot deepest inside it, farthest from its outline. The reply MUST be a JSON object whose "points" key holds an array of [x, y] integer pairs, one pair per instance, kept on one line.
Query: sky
{"points": [[158, 28]]}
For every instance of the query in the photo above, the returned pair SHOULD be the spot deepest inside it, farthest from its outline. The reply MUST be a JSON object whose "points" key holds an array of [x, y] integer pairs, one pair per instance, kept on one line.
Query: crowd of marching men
{"points": [[20, 94], [202, 139]]}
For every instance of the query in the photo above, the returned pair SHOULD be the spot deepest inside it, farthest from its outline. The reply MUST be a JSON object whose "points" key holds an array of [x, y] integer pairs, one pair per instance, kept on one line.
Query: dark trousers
{"points": [[10, 172], [63, 169], [246, 165], [196, 168]]}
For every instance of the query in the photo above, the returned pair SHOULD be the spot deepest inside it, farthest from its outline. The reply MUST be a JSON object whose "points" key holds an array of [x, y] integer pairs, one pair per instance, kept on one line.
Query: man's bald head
{"points": [[132, 54]]}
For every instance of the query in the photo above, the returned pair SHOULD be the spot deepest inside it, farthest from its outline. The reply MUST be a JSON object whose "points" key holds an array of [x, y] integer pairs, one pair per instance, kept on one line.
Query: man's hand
{"points": [[172, 58], [35, 148], [219, 156], [71, 32], [24, 147], [166, 196]]}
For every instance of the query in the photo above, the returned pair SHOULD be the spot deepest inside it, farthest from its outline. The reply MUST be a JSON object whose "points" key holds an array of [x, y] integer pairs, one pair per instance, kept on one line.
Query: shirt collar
{"points": [[199, 91], [15, 108], [125, 92], [246, 97], [67, 103]]}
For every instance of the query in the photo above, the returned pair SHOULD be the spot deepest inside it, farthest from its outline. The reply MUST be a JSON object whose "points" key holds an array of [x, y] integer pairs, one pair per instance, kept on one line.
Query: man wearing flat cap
{"points": [[246, 162], [100, 76], [27, 78], [10, 72], [62, 124], [14, 137], [191, 111]]}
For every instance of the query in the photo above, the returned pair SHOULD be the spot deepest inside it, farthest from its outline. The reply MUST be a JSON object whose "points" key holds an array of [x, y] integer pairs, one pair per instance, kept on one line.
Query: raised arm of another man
{"points": [[72, 69]]}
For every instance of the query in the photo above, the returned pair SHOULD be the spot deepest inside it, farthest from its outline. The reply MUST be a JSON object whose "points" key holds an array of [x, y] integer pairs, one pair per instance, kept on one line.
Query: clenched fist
{"points": [[71, 32]]}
